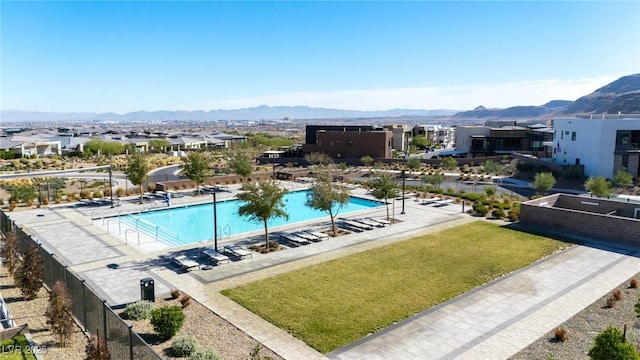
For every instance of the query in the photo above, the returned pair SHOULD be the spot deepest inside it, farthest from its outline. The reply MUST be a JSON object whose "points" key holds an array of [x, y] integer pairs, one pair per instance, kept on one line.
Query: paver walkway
{"points": [[503, 317], [494, 321]]}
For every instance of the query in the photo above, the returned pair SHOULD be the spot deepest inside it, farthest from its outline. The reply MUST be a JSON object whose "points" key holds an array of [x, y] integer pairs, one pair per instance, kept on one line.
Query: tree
{"points": [[420, 142], [449, 163], [384, 187], [490, 190], [108, 148], [434, 179], [598, 186], [366, 160], [261, 201], [241, 163], [137, 171], [610, 345], [327, 197], [58, 312], [159, 144], [491, 167], [622, 178], [543, 182], [9, 252], [414, 164], [196, 168], [97, 348], [29, 274]]}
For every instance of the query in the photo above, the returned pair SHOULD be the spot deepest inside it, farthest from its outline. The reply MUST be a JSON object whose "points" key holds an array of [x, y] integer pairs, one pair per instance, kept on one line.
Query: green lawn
{"points": [[335, 303], [16, 348]]}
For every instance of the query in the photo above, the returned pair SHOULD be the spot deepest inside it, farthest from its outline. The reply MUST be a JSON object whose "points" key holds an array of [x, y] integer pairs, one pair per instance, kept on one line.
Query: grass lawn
{"points": [[16, 348], [332, 304]]}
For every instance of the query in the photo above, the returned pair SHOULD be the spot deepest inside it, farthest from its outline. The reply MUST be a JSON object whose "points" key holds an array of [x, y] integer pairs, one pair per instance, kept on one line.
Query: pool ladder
{"points": [[225, 231]]}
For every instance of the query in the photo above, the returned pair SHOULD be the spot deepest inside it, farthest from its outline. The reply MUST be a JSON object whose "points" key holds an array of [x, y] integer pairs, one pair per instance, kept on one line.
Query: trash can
{"points": [[147, 289]]}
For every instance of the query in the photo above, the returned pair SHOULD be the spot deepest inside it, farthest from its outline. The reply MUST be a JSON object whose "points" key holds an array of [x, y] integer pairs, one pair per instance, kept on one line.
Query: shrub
{"points": [[203, 354], [617, 293], [513, 215], [560, 334], [633, 283], [185, 301], [611, 302], [184, 346], [480, 209], [497, 213], [97, 349], [175, 293], [610, 344], [637, 307], [138, 310], [167, 321]]}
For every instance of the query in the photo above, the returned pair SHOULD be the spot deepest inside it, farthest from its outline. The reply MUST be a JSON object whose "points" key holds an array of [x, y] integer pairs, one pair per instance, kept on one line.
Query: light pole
{"points": [[215, 223], [403, 177]]}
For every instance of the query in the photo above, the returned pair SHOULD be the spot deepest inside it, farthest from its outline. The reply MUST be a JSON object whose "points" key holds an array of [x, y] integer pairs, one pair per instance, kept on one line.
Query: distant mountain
{"points": [[622, 95], [262, 112], [515, 111]]}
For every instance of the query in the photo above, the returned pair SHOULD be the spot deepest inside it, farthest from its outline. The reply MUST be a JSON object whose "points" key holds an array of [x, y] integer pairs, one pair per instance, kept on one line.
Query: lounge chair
{"points": [[318, 234], [430, 201], [294, 239], [356, 225], [184, 262], [238, 251], [370, 222], [442, 203], [383, 222], [306, 235], [214, 256]]}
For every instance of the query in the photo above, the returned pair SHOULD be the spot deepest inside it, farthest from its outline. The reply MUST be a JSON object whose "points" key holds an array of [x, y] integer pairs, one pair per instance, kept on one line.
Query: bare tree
{"points": [[58, 312]]}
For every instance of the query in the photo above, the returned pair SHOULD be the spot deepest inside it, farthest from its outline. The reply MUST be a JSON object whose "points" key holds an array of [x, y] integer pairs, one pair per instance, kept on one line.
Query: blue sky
{"points": [[175, 55]]}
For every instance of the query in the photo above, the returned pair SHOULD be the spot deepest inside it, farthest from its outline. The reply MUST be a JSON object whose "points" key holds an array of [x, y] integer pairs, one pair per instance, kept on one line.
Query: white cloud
{"points": [[460, 97]]}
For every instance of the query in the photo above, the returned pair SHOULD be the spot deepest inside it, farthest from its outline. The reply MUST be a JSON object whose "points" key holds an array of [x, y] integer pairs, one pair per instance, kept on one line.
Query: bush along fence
{"points": [[91, 311]]}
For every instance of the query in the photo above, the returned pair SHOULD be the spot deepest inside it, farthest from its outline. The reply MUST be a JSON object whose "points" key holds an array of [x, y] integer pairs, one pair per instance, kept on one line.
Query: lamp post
{"points": [[403, 177], [215, 223]]}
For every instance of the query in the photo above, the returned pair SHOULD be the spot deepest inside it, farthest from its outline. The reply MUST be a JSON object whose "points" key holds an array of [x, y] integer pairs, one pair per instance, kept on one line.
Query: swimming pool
{"points": [[191, 224]]}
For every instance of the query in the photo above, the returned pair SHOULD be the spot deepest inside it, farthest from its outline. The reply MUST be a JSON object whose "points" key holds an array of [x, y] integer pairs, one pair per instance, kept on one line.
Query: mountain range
{"points": [[622, 95]]}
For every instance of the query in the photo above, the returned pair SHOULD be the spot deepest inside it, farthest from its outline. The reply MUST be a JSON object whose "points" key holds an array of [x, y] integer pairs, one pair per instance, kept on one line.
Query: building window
{"points": [[573, 136], [625, 162], [561, 135]]}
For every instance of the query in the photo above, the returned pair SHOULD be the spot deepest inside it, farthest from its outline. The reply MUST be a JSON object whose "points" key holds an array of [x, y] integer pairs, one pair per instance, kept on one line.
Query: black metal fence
{"points": [[90, 310]]}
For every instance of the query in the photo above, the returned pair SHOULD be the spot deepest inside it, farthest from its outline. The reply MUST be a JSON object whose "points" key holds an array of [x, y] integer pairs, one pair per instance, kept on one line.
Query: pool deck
{"points": [[484, 323]]}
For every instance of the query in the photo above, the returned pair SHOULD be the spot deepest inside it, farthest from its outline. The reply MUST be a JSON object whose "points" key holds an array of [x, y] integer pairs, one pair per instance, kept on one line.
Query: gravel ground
{"points": [[212, 332], [32, 313], [585, 326]]}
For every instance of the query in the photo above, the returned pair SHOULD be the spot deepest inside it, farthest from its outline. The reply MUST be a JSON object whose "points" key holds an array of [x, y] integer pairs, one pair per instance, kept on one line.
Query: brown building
{"points": [[351, 144]]}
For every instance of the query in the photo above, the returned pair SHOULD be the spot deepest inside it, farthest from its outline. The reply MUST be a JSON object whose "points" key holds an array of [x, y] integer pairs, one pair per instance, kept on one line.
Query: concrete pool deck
{"points": [[494, 321]]}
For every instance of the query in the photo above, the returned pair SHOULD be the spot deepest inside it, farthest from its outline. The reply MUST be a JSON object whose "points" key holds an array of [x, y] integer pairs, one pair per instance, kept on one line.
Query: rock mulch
{"points": [[32, 313], [211, 331], [583, 327]]}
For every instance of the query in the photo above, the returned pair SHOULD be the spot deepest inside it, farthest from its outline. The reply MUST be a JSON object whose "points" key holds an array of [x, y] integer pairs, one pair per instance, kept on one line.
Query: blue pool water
{"points": [[186, 225]]}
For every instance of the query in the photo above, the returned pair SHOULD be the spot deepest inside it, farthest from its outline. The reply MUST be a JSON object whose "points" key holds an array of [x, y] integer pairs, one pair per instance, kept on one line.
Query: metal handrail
{"points": [[126, 239]]}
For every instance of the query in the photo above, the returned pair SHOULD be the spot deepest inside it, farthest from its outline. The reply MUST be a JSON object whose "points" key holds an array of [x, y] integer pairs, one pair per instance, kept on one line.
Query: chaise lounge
{"points": [[214, 256], [185, 262], [238, 251], [297, 240]]}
